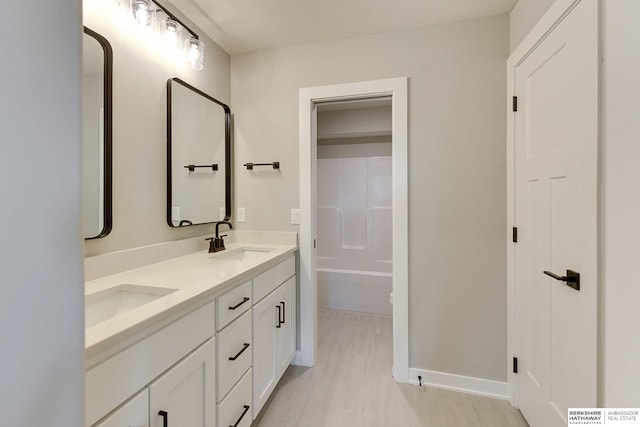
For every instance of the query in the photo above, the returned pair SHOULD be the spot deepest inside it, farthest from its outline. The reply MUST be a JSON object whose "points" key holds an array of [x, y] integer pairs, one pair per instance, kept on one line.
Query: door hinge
{"points": [[515, 365], [514, 235], [515, 103]]}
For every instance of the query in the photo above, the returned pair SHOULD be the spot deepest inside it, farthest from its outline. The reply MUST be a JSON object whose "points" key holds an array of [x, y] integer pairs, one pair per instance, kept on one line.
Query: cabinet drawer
{"points": [[233, 304], [234, 342], [235, 409], [265, 283]]}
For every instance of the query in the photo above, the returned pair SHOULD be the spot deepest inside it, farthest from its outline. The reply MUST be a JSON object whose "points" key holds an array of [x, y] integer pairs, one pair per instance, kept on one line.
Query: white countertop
{"points": [[196, 277]]}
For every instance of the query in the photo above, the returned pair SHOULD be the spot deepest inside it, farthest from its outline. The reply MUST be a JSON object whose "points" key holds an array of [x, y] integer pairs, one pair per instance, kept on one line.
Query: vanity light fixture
{"points": [[145, 13]]}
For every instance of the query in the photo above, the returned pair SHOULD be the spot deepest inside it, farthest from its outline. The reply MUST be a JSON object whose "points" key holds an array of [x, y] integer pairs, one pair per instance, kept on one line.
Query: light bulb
{"points": [[172, 35], [141, 12], [171, 25], [195, 53]]}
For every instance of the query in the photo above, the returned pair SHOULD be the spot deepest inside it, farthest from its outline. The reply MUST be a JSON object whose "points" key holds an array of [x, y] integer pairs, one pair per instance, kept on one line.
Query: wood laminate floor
{"points": [[351, 386]]}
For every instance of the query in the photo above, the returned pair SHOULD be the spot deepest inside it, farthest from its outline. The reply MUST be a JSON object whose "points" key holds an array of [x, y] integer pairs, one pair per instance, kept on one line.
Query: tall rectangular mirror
{"points": [[198, 156], [96, 134]]}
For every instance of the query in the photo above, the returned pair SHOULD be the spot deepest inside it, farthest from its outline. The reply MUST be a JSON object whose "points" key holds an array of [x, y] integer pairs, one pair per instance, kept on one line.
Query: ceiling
{"points": [[241, 26]]}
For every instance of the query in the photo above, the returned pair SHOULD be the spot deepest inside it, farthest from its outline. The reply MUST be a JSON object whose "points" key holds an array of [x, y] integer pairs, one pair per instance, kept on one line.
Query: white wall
{"points": [[41, 285], [620, 175], [457, 92], [139, 131], [524, 16]]}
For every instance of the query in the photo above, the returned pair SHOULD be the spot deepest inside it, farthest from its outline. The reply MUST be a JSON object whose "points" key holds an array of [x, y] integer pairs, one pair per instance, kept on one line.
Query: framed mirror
{"points": [[97, 66], [198, 156]]}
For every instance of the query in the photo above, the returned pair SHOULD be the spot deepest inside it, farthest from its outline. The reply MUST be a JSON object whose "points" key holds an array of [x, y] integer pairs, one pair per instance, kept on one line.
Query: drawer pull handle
{"points": [[283, 312], [245, 299], [246, 408], [246, 346], [165, 418], [279, 308]]}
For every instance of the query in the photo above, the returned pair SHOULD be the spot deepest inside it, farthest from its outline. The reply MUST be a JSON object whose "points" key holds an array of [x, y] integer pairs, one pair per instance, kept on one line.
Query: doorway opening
{"points": [[326, 98], [354, 209]]}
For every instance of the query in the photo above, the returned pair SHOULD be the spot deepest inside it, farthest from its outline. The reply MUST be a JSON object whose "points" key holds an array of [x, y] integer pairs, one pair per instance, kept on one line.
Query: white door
{"points": [[184, 395], [556, 131]]}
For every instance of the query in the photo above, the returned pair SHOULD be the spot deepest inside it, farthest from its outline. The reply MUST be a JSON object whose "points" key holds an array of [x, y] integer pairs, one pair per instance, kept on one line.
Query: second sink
{"points": [[242, 254], [109, 303]]}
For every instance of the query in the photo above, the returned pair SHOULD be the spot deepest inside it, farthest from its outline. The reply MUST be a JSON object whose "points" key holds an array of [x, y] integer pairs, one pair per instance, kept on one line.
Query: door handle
{"points": [[245, 299], [572, 278], [165, 418], [246, 408], [244, 347], [279, 308], [283, 321]]}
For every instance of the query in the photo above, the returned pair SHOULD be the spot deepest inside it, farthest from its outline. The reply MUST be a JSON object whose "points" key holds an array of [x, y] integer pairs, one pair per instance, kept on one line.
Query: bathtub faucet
{"points": [[216, 244]]}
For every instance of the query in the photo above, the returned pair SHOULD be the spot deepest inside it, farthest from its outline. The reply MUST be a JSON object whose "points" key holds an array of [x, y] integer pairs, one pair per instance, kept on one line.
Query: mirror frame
{"points": [[227, 152], [108, 132]]}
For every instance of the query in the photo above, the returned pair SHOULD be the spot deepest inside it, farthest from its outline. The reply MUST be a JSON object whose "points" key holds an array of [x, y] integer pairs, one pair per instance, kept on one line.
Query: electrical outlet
{"points": [[241, 215], [295, 216]]}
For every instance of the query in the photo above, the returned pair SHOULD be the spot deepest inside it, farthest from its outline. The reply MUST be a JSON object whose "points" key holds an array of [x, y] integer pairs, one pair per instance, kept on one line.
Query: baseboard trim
{"points": [[460, 383], [298, 360]]}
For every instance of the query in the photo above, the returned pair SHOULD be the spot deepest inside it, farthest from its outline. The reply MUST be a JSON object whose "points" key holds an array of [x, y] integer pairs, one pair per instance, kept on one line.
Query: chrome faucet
{"points": [[216, 244]]}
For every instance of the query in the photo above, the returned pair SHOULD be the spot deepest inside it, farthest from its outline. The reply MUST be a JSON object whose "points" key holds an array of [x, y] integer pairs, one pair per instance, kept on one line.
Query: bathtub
{"points": [[355, 290]]}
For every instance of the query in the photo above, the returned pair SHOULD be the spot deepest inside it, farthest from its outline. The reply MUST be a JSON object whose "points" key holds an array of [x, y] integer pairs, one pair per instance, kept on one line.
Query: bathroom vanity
{"points": [[197, 340]]}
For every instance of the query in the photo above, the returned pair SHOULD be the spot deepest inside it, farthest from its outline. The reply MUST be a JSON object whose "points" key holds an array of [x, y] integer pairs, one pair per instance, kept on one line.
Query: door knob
{"points": [[572, 278]]}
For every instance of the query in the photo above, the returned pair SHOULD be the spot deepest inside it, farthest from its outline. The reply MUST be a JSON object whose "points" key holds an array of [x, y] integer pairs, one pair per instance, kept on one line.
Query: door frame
{"points": [[397, 88], [556, 13]]}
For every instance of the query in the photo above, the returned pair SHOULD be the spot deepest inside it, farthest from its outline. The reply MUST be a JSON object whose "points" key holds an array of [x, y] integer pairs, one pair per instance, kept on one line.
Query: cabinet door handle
{"points": [[165, 418], [245, 299], [279, 315], [283, 311], [246, 408], [244, 347]]}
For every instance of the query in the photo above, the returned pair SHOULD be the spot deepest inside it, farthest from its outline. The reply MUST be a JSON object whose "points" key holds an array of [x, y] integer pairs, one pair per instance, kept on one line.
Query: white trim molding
{"points": [[460, 383], [397, 88]]}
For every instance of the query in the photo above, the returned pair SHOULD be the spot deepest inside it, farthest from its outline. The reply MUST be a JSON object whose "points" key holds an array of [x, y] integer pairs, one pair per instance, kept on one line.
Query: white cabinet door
{"points": [[286, 332], [134, 413], [184, 396], [265, 320]]}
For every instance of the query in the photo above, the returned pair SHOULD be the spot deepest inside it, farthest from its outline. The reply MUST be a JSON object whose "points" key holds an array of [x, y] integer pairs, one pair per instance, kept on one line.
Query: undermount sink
{"points": [[104, 305], [242, 254]]}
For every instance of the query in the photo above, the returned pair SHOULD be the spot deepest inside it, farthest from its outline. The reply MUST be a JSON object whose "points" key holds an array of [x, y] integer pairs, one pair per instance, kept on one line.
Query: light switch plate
{"points": [[295, 216], [241, 215]]}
